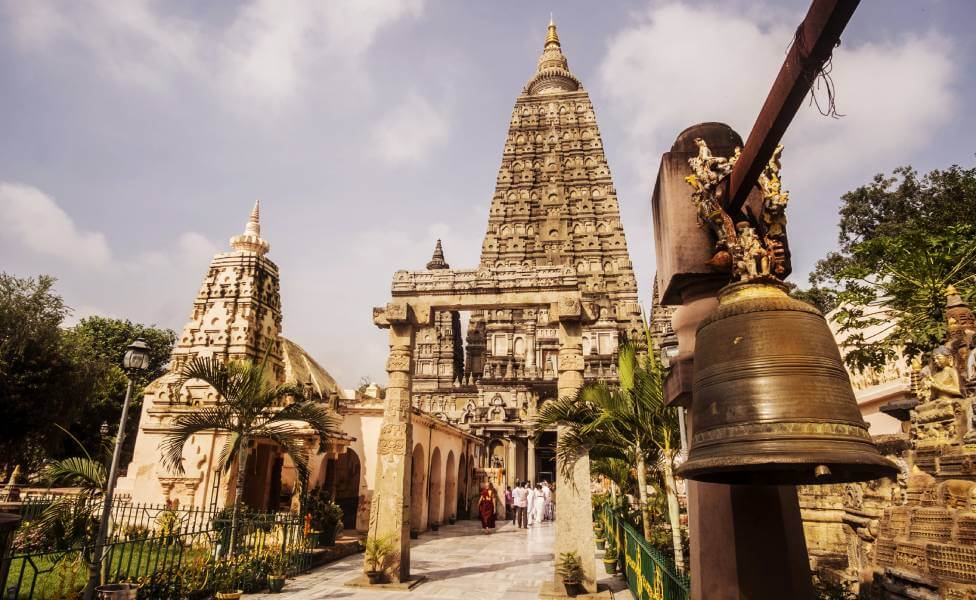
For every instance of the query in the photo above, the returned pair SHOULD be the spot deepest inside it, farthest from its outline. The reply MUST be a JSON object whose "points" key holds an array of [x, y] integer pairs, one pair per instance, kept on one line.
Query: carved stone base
{"points": [[552, 590], [403, 586]]}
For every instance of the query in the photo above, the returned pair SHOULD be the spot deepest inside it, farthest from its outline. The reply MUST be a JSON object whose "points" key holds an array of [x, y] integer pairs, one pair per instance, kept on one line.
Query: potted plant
{"points": [[377, 550], [326, 517], [434, 526], [276, 574], [230, 595], [451, 520], [610, 559], [570, 570], [601, 542], [414, 533]]}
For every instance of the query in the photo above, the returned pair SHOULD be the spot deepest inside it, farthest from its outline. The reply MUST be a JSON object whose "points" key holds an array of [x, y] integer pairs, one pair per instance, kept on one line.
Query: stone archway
{"points": [[462, 492], [417, 488], [417, 296], [450, 488], [435, 488], [346, 482]]}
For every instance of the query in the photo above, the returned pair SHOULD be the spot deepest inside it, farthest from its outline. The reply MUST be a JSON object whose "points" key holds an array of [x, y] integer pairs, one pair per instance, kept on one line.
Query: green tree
{"points": [[628, 422], [250, 407], [104, 342], [44, 376], [903, 239]]}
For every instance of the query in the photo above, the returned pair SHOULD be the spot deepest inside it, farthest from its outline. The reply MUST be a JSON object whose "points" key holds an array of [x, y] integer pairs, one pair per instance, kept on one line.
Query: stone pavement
{"points": [[459, 561]]}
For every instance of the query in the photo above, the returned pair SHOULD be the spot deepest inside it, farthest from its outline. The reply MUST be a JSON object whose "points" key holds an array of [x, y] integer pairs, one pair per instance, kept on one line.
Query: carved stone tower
{"points": [[237, 312], [554, 204], [236, 315]]}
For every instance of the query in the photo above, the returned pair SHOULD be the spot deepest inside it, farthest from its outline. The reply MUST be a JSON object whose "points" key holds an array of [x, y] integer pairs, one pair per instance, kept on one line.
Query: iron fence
{"points": [[171, 551], [650, 574]]}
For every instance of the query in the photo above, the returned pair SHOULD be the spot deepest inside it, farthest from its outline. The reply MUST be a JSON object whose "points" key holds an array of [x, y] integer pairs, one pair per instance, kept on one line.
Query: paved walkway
{"points": [[460, 562]]}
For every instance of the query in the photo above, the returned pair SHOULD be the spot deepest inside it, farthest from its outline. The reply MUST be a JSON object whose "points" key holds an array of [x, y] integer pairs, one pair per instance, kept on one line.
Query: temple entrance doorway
{"points": [[262, 478], [545, 458]]}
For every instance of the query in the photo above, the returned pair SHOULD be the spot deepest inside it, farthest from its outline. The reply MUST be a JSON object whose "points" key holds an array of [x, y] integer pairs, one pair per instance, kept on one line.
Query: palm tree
{"points": [[71, 520], [629, 421], [252, 407], [618, 470]]}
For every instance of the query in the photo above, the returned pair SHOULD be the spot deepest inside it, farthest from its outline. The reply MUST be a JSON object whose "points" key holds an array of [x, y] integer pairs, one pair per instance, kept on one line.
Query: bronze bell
{"points": [[772, 402]]}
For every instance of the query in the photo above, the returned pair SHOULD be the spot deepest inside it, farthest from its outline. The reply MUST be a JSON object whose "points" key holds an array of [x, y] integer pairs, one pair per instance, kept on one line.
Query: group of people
{"points": [[525, 505]]}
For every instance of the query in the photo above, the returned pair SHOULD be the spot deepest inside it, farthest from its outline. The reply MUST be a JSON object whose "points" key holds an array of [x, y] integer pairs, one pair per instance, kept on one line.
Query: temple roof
{"points": [[553, 75]]}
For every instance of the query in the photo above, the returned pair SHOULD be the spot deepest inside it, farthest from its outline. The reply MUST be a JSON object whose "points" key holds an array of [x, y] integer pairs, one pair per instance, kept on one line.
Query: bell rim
{"points": [[755, 469]]}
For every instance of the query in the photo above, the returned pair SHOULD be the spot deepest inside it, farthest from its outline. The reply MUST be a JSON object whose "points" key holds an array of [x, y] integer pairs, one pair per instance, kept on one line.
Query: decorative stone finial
{"points": [[553, 75], [552, 37], [250, 240], [437, 260]]}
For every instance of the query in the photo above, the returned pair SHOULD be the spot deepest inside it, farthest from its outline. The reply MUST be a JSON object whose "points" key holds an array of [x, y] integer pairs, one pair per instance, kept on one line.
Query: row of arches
{"points": [[437, 490]]}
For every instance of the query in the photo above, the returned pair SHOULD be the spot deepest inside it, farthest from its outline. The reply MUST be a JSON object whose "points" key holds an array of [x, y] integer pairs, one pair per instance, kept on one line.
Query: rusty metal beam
{"points": [[818, 34]]}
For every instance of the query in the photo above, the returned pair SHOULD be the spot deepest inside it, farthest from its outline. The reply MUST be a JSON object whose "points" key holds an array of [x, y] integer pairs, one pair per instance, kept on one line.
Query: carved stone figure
{"points": [[751, 259], [943, 383]]}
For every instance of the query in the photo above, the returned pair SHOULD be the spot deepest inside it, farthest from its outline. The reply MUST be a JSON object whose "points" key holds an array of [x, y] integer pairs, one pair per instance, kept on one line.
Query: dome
{"points": [[302, 369]]}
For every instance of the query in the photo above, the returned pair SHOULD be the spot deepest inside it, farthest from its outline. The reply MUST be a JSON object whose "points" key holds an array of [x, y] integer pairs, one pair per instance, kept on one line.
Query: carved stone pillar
{"points": [[574, 532], [530, 460], [530, 348], [390, 509], [509, 463]]}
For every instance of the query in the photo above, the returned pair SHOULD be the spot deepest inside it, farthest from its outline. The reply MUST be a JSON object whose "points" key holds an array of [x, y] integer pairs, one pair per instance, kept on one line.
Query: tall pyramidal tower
{"points": [[554, 204]]}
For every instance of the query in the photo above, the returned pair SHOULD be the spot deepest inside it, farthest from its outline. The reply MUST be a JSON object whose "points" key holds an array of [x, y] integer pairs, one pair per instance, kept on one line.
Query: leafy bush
{"points": [[326, 516], [201, 579]]}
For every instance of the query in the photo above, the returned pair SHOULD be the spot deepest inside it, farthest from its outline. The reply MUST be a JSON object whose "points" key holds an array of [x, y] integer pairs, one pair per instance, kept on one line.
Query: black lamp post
{"points": [[136, 359]]}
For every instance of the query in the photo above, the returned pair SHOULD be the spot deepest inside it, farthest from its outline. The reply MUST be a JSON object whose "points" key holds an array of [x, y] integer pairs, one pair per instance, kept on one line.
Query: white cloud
{"points": [[154, 286], [664, 79], [409, 131], [260, 57], [34, 220], [129, 41]]}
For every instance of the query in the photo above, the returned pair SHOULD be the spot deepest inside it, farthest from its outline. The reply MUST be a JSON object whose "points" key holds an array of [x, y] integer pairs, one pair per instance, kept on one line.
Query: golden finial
{"points": [[552, 37]]}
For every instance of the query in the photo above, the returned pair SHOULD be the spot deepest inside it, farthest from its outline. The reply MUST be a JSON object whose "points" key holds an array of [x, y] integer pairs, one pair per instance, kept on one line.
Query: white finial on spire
{"points": [[253, 226], [250, 240], [551, 20]]}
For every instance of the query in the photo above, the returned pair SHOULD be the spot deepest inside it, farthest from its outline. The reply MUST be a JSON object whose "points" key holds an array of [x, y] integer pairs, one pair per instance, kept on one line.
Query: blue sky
{"points": [[138, 134]]}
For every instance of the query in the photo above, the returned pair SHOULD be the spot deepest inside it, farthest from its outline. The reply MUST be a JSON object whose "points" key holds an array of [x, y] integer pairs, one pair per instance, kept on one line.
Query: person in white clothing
{"points": [[537, 505], [520, 499], [547, 496]]}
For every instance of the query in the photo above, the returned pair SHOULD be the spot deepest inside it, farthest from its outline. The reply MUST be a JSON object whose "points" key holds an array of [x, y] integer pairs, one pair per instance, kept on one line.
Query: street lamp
{"points": [[136, 360]]}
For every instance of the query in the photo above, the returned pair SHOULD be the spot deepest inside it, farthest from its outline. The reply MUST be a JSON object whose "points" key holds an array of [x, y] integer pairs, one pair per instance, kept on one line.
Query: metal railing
{"points": [[170, 551], [650, 574]]}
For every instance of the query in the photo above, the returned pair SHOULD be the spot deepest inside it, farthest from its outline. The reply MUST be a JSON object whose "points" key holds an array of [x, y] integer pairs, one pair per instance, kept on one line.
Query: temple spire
{"points": [[553, 74], [437, 260], [250, 240]]}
